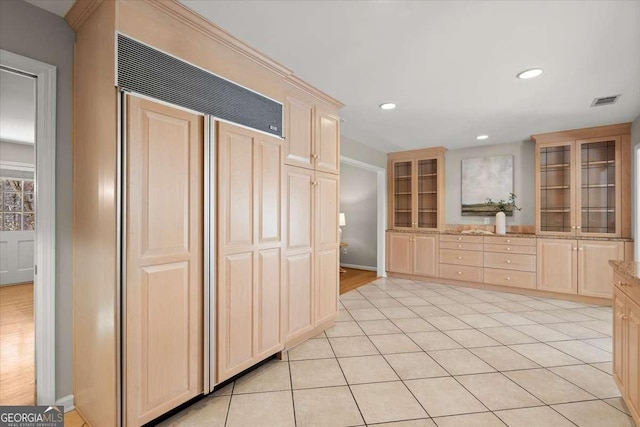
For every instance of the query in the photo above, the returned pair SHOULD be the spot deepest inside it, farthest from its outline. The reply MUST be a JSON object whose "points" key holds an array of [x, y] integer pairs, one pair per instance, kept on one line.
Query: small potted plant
{"points": [[502, 208]]}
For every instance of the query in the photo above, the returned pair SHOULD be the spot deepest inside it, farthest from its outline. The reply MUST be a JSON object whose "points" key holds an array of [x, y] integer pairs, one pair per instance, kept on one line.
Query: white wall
{"points": [[35, 33], [358, 201], [19, 153], [523, 181], [635, 186]]}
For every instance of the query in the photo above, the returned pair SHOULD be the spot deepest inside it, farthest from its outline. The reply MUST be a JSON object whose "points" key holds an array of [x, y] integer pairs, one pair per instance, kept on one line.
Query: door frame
{"points": [[44, 286], [381, 186]]}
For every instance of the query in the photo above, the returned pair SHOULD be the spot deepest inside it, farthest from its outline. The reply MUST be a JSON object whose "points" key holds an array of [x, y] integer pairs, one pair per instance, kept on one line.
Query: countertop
{"points": [[539, 236], [629, 269]]}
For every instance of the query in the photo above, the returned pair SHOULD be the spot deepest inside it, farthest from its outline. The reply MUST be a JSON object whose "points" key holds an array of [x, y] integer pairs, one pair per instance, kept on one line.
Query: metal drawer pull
{"points": [[508, 261], [459, 257], [460, 272], [508, 240], [508, 249], [459, 246], [508, 278], [459, 238]]}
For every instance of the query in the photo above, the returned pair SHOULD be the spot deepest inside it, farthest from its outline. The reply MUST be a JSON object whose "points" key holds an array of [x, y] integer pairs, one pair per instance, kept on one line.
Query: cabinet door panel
{"points": [[326, 210], [632, 375], [327, 144], [425, 255], [267, 303], [557, 265], [269, 180], [400, 257], [298, 271], [595, 276], [164, 250], [618, 337], [326, 284], [235, 315], [299, 209], [298, 145], [235, 165]]}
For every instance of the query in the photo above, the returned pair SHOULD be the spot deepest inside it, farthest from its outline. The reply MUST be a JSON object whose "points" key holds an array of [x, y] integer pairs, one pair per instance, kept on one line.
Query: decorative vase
{"points": [[501, 223]]}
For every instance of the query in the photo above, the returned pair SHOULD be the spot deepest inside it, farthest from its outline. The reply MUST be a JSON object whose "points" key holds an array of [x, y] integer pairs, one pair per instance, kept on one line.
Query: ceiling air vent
{"points": [[606, 100]]}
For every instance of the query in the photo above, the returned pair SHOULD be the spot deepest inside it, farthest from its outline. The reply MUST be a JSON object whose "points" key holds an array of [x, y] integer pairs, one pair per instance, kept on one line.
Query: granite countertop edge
{"points": [[628, 269], [526, 235]]}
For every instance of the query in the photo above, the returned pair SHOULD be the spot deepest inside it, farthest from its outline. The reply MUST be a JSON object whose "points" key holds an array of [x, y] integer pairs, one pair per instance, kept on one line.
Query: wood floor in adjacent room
{"points": [[353, 279], [17, 351]]}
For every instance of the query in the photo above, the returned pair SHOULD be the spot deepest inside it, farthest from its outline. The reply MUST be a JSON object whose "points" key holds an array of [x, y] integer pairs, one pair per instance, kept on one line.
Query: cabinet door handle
{"points": [[575, 249], [314, 156], [578, 227], [573, 227], [581, 249], [624, 317]]}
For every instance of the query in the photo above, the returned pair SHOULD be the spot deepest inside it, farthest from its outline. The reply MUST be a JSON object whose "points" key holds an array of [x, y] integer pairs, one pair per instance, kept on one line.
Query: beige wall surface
{"points": [[523, 181], [35, 33], [358, 151]]}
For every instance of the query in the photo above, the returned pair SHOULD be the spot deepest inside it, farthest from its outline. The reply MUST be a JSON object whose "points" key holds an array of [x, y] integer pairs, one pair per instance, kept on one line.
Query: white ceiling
{"points": [[17, 108], [450, 66]]}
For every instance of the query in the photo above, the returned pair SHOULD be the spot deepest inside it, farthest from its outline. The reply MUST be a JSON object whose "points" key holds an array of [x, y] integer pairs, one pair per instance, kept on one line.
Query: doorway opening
{"points": [[27, 238], [362, 221], [17, 237]]}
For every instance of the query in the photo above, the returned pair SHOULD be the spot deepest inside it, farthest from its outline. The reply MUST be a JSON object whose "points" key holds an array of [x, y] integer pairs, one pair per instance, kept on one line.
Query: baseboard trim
{"points": [[67, 402], [360, 267]]}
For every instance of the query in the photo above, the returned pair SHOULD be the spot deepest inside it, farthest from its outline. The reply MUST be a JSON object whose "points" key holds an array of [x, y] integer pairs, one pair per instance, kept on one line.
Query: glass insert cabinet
{"points": [[416, 189], [582, 183]]}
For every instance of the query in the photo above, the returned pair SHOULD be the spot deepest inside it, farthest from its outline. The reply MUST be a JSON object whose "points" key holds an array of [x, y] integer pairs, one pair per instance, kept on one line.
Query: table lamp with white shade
{"points": [[342, 223]]}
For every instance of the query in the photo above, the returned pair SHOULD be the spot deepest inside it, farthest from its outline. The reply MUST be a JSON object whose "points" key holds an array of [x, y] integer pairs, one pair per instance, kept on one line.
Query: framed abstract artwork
{"points": [[482, 178]]}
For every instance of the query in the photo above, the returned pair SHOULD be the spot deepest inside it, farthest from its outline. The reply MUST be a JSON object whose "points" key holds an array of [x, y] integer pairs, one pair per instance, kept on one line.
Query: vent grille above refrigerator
{"points": [[149, 72]]}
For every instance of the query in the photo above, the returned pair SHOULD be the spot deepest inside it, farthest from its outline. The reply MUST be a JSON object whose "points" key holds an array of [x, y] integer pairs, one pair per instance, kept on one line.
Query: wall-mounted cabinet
{"points": [[582, 182], [312, 133], [415, 181]]}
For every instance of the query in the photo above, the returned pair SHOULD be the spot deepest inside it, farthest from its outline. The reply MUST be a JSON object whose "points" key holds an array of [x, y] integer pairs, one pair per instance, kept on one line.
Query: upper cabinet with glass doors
{"points": [[416, 189], [583, 182]]}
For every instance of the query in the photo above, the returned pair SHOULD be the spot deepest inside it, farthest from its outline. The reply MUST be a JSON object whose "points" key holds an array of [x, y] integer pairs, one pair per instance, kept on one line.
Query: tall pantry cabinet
{"points": [[311, 249], [199, 248]]}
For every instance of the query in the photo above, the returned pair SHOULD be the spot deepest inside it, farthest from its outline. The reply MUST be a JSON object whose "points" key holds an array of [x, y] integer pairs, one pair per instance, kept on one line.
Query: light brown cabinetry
{"points": [[577, 266], [626, 344], [510, 261], [412, 253], [312, 135], [164, 250], [582, 187], [461, 257], [310, 262], [249, 244], [415, 182]]}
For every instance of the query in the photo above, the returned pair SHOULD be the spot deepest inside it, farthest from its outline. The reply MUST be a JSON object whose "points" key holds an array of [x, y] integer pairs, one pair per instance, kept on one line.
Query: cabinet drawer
{"points": [[519, 279], [458, 238], [461, 272], [452, 256], [510, 261], [514, 241], [632, 291], [510, 249], [461, 245]]}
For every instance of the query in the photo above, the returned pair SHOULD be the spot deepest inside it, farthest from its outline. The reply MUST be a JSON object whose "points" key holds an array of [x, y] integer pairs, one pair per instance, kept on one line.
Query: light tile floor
{"points": [[407, 353]]}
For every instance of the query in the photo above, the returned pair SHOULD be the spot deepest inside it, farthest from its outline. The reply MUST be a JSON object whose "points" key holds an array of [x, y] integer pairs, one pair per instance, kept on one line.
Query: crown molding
{"points": [[302, 85], [585, 133], [80, 11]]}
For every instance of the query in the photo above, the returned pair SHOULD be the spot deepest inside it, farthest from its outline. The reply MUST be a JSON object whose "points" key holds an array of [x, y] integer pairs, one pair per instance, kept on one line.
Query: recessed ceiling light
{"points": [[481, 137], [529, 74], [388, 106]]}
